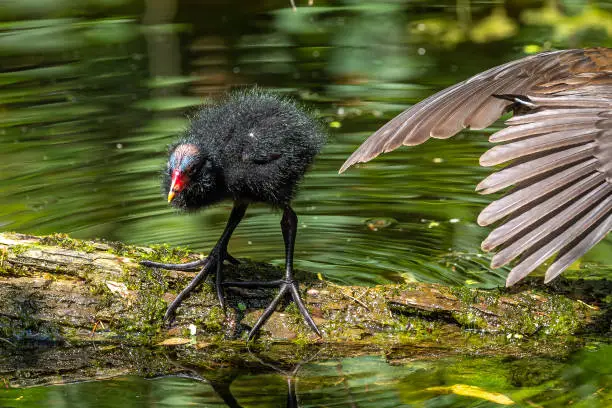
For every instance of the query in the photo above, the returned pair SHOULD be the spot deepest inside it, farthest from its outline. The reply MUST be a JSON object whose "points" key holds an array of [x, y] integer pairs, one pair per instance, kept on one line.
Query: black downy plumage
{"points": [[254, 146]]}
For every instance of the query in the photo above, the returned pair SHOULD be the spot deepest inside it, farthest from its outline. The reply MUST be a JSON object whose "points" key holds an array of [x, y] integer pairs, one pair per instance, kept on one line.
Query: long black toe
{"points": [[189, 266], [285, 288]]}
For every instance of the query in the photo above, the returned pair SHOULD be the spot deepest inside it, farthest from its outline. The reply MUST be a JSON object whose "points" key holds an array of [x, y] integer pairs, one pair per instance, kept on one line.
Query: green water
{"points": [[91, 93], [582, 381], [90, 100]]}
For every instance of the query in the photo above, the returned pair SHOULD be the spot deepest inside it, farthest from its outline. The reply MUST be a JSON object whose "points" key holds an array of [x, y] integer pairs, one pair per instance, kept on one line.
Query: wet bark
{"points": [[72, 310]]}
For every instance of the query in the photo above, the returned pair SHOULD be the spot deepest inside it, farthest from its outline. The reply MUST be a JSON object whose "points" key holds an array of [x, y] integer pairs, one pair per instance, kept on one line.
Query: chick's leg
{"points": [[288, 285], [214, 261]]}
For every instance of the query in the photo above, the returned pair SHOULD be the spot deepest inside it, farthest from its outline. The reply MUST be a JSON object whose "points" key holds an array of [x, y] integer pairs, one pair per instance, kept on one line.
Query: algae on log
{"points": [[72, 309]]}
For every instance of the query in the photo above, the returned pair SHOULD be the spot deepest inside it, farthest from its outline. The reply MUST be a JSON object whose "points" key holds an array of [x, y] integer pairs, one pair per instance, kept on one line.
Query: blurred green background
{"points": [[92, 92]]}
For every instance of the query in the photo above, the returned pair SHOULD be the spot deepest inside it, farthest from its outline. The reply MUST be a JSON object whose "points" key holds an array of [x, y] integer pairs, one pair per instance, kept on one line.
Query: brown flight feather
{"points": [[560, 152]]}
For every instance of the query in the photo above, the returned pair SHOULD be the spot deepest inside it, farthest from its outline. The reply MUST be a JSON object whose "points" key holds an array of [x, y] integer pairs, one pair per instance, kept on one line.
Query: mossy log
{"points": [[72, 309]]}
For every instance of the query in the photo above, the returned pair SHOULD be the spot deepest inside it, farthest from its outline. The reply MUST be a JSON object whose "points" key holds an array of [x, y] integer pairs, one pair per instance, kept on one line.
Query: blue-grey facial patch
{"points": [[183, 157], [187, 164]]}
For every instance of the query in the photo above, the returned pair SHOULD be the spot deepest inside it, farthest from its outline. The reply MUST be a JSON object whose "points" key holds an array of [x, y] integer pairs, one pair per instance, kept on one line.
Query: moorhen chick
{"points": [[254, 146], [558, 144]]}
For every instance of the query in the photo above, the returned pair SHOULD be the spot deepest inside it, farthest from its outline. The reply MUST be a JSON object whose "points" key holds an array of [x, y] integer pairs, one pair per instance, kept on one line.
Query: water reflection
{"points": [[371, 381]]}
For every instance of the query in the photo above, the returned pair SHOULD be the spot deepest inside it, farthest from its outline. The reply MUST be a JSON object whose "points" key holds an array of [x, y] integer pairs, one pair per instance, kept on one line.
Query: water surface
{"points": [[90, 102], [91, 96], [583, 380]]}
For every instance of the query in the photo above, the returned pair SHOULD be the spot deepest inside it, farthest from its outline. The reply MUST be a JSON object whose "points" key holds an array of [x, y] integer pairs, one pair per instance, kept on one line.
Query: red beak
{"points": [[177, 185]]}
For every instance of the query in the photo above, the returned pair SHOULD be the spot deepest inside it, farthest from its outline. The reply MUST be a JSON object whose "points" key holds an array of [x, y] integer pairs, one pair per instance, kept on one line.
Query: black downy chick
{"points": [[254, 146]]}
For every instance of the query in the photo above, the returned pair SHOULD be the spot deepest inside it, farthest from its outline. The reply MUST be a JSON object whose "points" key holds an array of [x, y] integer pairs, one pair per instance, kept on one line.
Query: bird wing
{"points": [[472, 103], [560, 152], [561, 167]]}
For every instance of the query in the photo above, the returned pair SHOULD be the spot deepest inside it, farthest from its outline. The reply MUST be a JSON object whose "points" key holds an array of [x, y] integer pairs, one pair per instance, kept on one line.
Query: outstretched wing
{"points": [[472, 103], [562, 170], [560, 152]]}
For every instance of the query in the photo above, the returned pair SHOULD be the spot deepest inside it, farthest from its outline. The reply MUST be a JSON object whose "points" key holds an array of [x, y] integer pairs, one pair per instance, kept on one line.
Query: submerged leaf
{"points": [[475, 392]]}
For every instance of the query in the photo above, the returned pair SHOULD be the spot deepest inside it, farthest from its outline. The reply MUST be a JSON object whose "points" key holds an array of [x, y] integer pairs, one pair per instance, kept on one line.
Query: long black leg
{"points": [[169, 316], [214, 260], [289, 225], [288, 285]]}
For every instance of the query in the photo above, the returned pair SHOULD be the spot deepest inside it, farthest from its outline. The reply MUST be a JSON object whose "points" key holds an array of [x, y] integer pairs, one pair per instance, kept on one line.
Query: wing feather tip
{"points": [[498, 262], [483, 219], [481, 186], [352, 160], [486, 246], [548, 279], [345, 166], [519, 272], [512, 278], [554, 271], [489, 158]]}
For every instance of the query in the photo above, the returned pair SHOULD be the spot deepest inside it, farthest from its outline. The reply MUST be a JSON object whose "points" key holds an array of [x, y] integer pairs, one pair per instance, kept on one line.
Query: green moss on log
{"points": [[377, 318]]}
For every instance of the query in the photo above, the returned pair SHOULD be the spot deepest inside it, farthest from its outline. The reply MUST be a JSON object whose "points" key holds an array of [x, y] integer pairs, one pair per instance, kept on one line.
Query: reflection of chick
{"points": [[559, 142], [253, 147]]}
